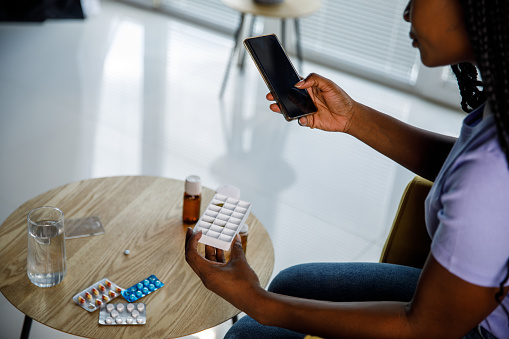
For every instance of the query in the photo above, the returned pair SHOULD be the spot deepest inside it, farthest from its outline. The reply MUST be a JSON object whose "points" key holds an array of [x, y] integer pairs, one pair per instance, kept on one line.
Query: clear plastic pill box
{"points": [[222, 221]]}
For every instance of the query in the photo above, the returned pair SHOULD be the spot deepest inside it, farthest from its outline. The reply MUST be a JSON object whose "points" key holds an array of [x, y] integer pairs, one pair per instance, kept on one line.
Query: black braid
{"points": [[487, 23], [471, 96]]}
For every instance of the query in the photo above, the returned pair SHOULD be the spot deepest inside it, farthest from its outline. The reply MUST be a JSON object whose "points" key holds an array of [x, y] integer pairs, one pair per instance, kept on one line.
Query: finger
{"points": [[191, 253], [269, 97], [220, 255], [311, 80], [237, 252], [189, 233], [210, 253], [303, 121], [192, 239], [275, 108]]}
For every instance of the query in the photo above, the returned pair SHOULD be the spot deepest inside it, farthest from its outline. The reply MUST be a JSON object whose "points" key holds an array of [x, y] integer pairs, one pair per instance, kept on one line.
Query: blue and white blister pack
{"points": [[141, 289]]}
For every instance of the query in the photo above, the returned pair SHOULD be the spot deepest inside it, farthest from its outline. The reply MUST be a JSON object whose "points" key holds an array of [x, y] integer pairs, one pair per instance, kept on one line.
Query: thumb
{"points": [[237, 252]]}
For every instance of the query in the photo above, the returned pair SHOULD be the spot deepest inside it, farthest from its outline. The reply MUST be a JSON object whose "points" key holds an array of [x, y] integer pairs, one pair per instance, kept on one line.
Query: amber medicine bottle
{"points": [[192, 200]]}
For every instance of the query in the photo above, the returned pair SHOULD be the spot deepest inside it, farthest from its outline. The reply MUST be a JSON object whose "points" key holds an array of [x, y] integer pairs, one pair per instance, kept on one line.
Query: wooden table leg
{"points": [[27, 323]]}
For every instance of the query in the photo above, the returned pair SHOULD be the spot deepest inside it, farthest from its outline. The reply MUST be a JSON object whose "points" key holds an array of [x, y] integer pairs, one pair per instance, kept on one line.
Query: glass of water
{"points": [[46, 246]]}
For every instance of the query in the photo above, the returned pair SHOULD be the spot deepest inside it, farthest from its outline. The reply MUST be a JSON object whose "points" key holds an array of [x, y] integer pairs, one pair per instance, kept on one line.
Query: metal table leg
{"points": [[297, 43], [27, 323], [232, 55]]}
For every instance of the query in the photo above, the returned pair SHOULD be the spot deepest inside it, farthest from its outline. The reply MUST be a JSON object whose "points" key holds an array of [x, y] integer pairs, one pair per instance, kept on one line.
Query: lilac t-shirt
{"points": [[467, 212]]}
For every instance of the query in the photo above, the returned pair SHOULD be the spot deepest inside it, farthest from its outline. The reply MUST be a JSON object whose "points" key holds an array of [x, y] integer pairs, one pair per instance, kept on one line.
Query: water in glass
{"points": [[46, 249]]}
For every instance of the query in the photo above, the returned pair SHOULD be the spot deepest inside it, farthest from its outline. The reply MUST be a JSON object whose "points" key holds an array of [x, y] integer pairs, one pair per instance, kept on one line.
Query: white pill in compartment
{"points": [[214, 208], [216, 229], [139, 320], [130, 307], [207, 218], [243, 204], [223, 217], [217, 202], [213, 234], [140, 307], [235, 221], [109, 320], [229, 206], [129, 320], [232, 201], [135, 314], [120, 307], [240, 210], [225, 237], [211, 214], [114, 314], [219, 222], [110, 307], [204, 224], [221, 196], [226, 211], [228, 232], [231, 226], [119, 320], [237, 215]]}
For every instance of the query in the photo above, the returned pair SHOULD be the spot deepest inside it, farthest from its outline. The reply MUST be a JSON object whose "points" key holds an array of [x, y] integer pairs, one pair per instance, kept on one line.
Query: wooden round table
{"points": [[140, 214]]}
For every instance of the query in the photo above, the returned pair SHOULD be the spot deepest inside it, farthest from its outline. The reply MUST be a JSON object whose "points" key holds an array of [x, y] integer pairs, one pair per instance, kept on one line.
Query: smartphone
{"points": [[280, 76]]}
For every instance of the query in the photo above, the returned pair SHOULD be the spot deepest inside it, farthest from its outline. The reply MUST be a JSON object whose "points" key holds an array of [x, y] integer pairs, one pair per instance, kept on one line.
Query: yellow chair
{"points": [[408, 242]]}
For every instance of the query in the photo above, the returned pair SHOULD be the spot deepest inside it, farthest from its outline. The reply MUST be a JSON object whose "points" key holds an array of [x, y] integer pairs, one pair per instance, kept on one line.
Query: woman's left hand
{"points": [[235, 280]]}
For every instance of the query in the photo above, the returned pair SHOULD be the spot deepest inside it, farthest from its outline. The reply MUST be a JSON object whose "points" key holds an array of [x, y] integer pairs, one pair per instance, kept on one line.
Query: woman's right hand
{"points": [[335, 108]]}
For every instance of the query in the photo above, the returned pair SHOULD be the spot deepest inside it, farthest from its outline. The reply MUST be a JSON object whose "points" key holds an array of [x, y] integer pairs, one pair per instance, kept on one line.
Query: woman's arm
{"points": [[418, 150], [444, 306]]}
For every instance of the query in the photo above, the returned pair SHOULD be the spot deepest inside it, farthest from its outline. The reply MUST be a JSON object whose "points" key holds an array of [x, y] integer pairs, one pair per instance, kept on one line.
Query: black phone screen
{"points": [[280, 76]]}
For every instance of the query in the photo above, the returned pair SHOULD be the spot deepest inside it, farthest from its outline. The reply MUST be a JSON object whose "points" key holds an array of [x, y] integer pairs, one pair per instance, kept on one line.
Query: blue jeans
{"points": [[338, 282]]}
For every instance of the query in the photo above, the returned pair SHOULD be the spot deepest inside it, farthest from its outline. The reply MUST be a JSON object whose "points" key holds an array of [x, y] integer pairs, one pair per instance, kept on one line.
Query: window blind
{"points": [[210, 12], [365, 37], [368, 36]]}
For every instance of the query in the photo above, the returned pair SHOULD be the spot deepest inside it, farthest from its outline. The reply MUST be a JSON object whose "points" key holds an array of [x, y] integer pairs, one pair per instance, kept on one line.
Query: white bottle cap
{"points": [[244, 229], [193, 185], [229, 191]]}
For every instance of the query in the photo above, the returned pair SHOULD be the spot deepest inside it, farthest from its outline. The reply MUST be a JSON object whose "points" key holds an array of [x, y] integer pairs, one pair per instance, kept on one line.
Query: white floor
{"points": [[131, 92]]}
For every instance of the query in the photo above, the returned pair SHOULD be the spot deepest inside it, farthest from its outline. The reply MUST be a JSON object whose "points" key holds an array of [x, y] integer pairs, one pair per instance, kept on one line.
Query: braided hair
{"points": [[487, 23]]}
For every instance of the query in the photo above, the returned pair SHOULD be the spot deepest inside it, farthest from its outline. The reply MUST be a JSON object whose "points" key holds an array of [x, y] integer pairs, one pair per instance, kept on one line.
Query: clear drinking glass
{"points": [[46, 246]]}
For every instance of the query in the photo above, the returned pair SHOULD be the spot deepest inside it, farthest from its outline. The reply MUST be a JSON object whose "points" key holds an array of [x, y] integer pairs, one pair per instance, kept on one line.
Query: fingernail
{"points": [[302, 122], [300, 83]]}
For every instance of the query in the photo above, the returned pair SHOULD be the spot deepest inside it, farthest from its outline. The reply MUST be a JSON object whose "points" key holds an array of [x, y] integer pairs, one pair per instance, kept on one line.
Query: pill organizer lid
{"points": [[229, 191], [193, 185]]}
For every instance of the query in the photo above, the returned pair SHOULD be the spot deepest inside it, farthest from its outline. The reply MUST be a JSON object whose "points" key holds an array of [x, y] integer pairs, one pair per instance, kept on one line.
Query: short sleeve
{"points": [[472, 238]]}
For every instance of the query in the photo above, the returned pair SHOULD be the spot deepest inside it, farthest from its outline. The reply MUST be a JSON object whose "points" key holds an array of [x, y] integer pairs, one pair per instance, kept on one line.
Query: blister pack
{"points": [[97, 295], [141, 289], [123, 314]]}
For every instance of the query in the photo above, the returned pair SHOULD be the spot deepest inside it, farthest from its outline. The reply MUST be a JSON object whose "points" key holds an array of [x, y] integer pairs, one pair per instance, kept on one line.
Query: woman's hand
{"points": [[335, 108], [235, 280]]}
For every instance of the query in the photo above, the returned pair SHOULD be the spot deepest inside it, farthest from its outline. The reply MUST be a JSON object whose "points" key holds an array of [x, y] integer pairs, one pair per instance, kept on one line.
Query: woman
{"points": [[462, 290]]}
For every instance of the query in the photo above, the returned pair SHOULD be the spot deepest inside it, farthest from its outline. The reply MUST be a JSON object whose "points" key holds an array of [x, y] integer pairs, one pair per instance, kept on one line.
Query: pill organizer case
{"points": [[123, 314], [222, 221], [97, 295]]}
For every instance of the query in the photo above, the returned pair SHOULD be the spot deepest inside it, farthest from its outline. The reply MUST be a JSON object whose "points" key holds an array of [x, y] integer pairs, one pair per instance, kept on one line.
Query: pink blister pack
{"points": [[97, 295]]}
